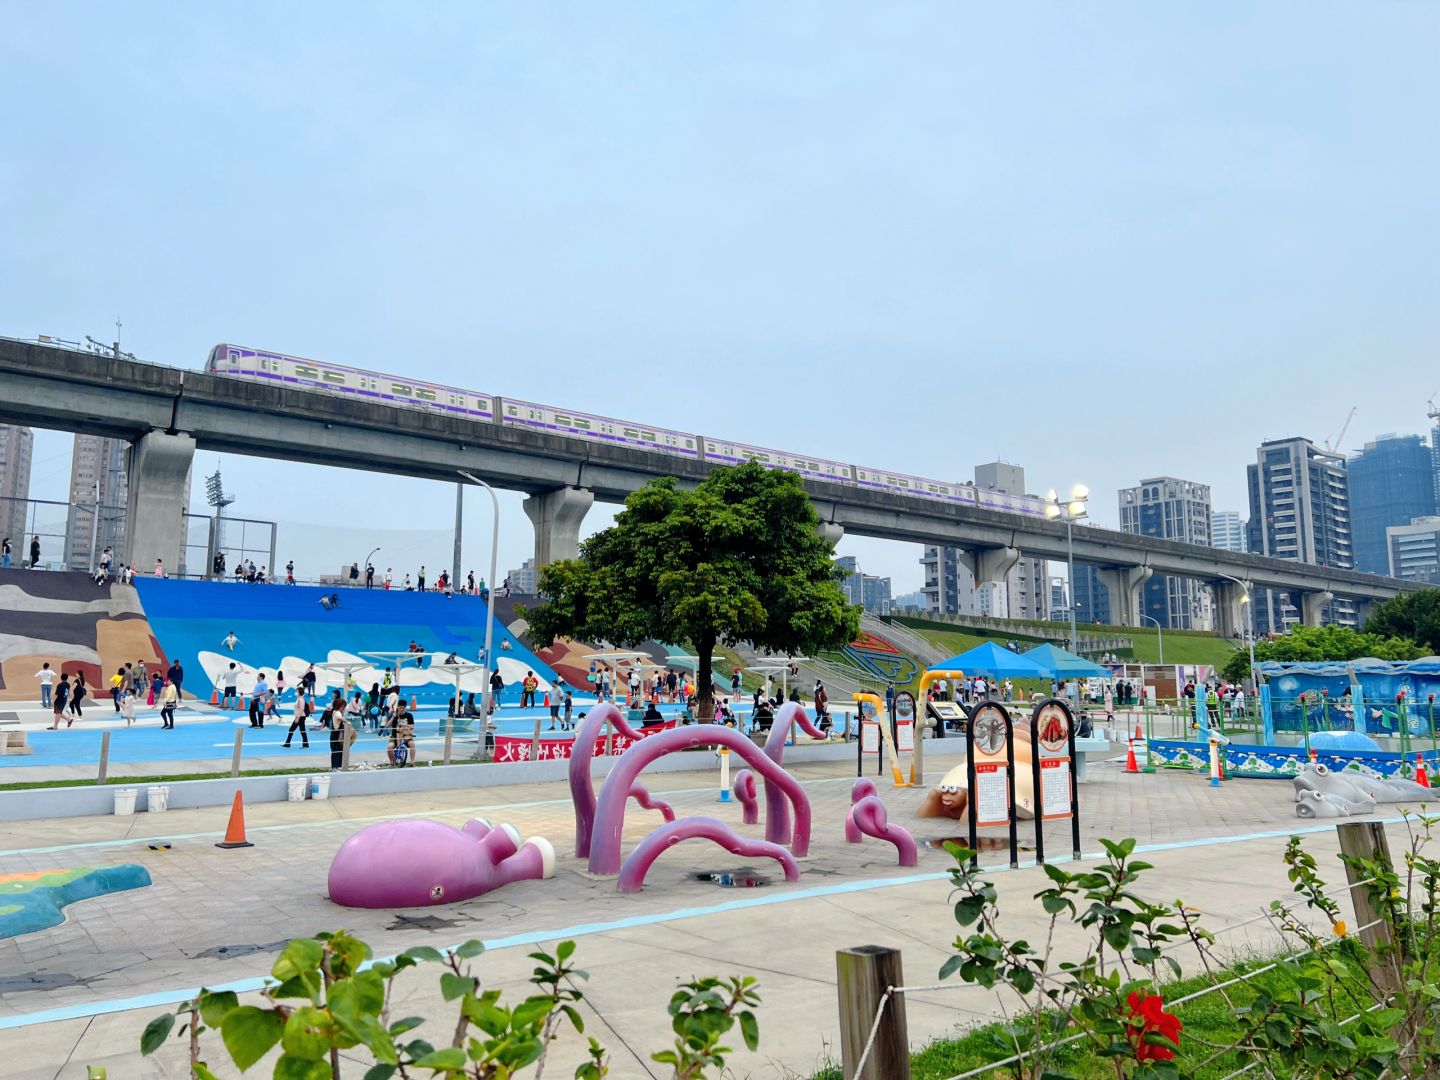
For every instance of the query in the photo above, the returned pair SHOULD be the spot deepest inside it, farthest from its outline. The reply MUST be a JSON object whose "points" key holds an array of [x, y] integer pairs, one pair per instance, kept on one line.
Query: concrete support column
{"points": [[1125, 583], [1312, 606], [1363, 610], [831, 533], [557, 516], [989, 564], [156, 465], [1232, 620]]}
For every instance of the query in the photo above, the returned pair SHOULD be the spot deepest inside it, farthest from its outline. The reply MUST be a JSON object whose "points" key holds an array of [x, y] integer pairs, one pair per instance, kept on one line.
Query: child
{"points": [[127, 707]]}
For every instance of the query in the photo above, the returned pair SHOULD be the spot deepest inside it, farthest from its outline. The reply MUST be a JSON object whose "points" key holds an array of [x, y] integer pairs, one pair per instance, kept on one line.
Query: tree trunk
{"points": [[705, 680]]}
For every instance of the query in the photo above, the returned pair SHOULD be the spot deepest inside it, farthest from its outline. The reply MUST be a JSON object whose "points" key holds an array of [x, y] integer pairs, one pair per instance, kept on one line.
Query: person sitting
{"points": [[763, 716], [402, 734], [471, 709], [652, 717]]}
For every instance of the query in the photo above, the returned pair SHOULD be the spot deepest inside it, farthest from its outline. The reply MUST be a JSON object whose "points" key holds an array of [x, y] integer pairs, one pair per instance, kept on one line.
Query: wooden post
{"points": [[235, 757], [1366, 840], [863, 974], [104, 757]]}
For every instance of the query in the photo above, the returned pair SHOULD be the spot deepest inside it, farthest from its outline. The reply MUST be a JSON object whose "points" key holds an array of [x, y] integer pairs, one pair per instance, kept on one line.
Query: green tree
{"points": [[1413, 615], [736, 559], [1312, 643]]}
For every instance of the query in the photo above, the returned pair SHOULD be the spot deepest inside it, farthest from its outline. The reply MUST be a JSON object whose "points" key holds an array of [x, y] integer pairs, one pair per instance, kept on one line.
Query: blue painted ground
{"points": [[34, 900], [286, 626]]}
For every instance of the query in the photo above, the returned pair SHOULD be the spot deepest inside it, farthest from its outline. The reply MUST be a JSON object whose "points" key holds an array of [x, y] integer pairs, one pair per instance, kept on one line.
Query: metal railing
{"points": [[1088, 643], [903, 638]]}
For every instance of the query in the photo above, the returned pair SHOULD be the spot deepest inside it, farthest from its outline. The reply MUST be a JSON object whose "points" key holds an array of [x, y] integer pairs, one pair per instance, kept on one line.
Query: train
{"points": [[240, 362]]}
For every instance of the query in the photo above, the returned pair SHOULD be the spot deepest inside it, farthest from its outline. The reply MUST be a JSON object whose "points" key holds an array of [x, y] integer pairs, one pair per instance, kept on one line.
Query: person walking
{"points": [[890, 699], [303, 708], [230, 699], [528, 686], [46, 678], [290, 572], [257, 701], [369, 575], [354, 574], [62, 698], [5, 554], [497, 687], [169, 698], [388, 575], [127, 707], [159, 567], [157, 684], [336, 718], [105, 566], [117, 687], [35, 552], [176, 675], [77, 697]]}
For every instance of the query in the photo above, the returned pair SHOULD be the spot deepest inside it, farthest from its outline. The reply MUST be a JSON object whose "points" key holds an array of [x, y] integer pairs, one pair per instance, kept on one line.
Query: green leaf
{"points": [[423, 953], [294, 1068], [309, 1033], [249, 1033], [530, 1012], [951, 966], [750, 1030], [155, 1033], [453, 986], [1117, 935], [379, 1072], [302, 955], [564, 951], [410, 1023], [470, 949], [214, 1006], [449, 1057]]}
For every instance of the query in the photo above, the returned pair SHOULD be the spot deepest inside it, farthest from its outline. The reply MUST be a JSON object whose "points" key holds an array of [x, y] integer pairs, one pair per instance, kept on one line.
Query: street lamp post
{"points": [[1074, 509], [489, 613], [1159, 635], [1249, 630], [366, 563]]}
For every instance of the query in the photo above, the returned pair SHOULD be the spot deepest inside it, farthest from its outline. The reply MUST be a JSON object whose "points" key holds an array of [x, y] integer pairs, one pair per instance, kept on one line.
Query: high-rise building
{"points": [[17, 447], [98, 491], [1415, 550], [1392, 482], [1227, 530], [1170, 509], [910, 601], [950, 587], [1092, 599], [1059, 602], [522, 579], [1299, 509], [870, 592]]}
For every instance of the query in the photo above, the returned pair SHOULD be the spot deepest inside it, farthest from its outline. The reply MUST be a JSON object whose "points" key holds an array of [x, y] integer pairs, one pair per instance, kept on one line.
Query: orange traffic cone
{"points": [[235, 831], [1130, 764], [1314, 757], [1138, 733], [412, 703], [1420, 777], [214, 696]]}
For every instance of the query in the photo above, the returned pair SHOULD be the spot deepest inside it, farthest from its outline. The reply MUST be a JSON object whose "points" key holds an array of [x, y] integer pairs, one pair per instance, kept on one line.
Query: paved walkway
{"points": [[81, 992]]}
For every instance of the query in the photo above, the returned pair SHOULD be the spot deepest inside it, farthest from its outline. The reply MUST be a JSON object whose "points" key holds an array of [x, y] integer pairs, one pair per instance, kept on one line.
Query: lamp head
{"points": [[1079, 493], [1052, 509], [1051, 496], [1077, 508]]}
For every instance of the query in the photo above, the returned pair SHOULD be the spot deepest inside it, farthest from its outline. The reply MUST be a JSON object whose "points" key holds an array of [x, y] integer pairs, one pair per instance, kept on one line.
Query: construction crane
{"points": [[1430, 410], [1334, 444]]}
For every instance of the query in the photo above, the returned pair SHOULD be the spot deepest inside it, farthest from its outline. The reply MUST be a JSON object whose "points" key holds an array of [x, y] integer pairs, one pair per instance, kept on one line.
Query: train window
{"points": [[403, 391], [335, 377], [424, 394], [306, 372]]}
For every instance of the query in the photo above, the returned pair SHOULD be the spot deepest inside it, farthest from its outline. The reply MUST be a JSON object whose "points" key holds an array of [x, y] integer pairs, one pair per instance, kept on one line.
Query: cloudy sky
{"points": [[1104, 241]]}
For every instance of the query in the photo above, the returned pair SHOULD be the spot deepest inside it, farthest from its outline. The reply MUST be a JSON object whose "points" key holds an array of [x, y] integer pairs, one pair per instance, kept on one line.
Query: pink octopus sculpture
{"points": [[867, 817], [777, 813], [418, 863]]}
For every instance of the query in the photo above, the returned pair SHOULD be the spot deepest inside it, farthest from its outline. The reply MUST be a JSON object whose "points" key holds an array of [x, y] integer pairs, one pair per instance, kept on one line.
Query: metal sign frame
{"points": [[1035, 769], [972, 811]]}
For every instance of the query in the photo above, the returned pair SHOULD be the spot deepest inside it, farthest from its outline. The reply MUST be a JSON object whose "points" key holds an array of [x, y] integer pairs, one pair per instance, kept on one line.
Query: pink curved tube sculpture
{"points": [[869, 817], [863, 787], [744, 787], [642, 797], [609, 816], [418, 863], [582, 788], [777, 814], [632, 874]]}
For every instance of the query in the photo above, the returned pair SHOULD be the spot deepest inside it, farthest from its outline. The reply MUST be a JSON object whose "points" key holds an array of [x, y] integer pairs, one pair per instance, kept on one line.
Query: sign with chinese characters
{"points": [[905, 722], [517, 747], [992, 794]]}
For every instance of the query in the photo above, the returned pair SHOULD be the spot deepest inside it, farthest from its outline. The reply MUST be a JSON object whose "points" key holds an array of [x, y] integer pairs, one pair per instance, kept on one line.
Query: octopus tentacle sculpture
{"points": [[638, 863], [744, 788], [777, 814], [646, 801], [864, 786], [582, 788]]}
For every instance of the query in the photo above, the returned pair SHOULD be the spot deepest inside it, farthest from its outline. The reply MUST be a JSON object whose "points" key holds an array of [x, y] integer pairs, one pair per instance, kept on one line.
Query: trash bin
{"points": [[157, 799], [321, 787], [299, 787], [125, 801]]}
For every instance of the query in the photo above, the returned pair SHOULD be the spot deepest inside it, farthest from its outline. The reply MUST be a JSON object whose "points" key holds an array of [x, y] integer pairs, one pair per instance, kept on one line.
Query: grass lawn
{"points": [[1180, 647], [1207, 1020]]}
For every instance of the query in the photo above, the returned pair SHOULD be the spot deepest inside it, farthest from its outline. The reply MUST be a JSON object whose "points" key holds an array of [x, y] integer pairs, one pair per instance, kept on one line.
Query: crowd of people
{"points": [[66, 697]]}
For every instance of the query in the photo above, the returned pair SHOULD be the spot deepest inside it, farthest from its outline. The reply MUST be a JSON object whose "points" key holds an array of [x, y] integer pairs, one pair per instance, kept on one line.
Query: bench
{"points": [[12, 736], [1085, 747]]}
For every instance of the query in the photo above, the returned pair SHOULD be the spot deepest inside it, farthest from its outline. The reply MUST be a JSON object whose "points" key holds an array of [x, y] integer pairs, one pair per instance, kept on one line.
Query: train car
{"points": [[530, 414], [353, 382], [882, 480], [816, 468], [1014, 504]]}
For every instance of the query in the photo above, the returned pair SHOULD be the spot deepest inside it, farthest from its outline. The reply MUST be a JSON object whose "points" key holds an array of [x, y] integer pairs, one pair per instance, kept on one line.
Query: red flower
{"points": [[1150, 1012]]}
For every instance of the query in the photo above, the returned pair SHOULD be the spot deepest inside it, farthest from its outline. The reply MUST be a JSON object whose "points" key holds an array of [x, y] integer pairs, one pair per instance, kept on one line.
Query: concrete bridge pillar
{"points": [[1312, 605], [1125, 583], [831, 533], [557, 516], [156, 465], [1364, 609], [1232, 620], [989, 564]]}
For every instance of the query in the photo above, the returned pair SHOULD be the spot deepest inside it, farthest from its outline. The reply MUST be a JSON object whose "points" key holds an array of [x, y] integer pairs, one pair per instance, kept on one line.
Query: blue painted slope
{"points": [[281, 625]]}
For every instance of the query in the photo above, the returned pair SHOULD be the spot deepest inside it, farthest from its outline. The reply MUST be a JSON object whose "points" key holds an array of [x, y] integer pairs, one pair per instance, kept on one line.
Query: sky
{"points": [[1105, 241]]}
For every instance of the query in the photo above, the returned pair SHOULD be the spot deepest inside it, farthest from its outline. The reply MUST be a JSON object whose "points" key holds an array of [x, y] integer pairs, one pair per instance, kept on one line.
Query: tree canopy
{"points": [[1311, 643], [736, 559], [1413, 615]]}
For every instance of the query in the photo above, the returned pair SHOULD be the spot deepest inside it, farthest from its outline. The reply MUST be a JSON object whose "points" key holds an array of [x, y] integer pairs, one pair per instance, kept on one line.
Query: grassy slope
{"points": [[1180, 647]]}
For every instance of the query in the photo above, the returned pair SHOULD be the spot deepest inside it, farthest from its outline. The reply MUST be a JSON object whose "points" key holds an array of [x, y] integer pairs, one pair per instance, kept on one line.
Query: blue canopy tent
{"points": [[1066, 665], [991, 659]]}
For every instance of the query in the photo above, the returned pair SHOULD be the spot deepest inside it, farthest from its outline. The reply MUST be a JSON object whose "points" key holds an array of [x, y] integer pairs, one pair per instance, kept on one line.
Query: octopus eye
{"points": [[1323, 770], [437, 893], [948, 789]]}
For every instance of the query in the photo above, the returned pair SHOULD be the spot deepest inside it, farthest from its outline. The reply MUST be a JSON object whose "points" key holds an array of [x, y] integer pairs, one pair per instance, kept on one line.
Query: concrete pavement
{"points": [[81, 992]]}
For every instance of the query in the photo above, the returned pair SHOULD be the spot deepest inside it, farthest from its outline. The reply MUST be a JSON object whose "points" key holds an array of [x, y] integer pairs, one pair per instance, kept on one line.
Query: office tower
{"points": [[1092, 599], [1299, 509], [1059, 600], [1392, 482], [1170, 509], [1227, 530], [522, 579], [97, 480], [1415, 550], [17, 447], [870, 592], [910, 601]]}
